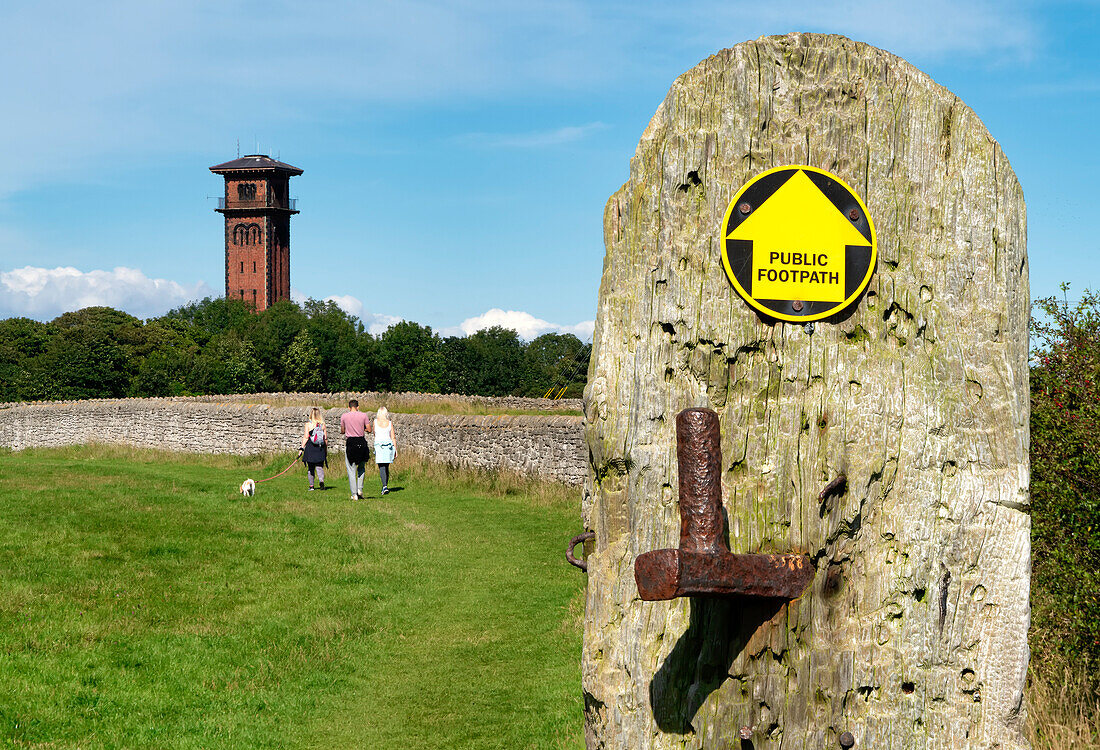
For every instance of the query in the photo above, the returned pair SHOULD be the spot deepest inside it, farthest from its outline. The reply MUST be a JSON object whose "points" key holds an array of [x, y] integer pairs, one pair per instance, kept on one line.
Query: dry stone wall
{"points": [[549, 447], [502, 403], [402, 401]]}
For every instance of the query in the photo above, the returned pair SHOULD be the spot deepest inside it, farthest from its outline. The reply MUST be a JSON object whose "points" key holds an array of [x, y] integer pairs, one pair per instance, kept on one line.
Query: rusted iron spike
{"points": [[703, 565], [579, 538]]}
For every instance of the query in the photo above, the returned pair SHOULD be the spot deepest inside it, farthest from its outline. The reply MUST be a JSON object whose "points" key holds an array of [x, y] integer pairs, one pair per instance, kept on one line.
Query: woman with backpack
{"points": [[315, 447]]}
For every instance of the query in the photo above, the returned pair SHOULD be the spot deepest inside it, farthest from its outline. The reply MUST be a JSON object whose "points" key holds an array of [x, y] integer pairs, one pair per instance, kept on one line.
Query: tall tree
{"points": [[22, 343], [500, 368], [411, 359], [302, 364], [92, 355], [272, 333], [334, 333], [228, 364], [85, 362], [164, 364], [212, 316], [559, 361], [459, 366], [365, 372]]}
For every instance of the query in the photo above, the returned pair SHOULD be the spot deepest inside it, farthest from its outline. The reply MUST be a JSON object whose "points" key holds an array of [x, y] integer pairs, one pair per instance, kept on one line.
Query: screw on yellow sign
{"points": [[799, 244]]}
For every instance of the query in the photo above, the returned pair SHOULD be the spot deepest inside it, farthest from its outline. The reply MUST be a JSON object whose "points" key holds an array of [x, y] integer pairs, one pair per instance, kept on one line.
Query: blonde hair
{"points": [[315, 416], [382, 413]]}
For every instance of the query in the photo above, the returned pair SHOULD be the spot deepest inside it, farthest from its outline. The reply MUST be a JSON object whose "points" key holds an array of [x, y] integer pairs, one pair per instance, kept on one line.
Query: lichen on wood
{"points": [[913, 633]]}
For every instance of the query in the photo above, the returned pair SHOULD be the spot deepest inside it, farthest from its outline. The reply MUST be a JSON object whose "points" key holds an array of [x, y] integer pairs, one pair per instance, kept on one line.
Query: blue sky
{"points": [[457, 155]]}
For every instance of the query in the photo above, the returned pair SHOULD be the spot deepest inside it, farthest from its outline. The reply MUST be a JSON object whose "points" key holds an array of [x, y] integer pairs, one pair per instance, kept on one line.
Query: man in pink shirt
{"points": [[354, 426]]}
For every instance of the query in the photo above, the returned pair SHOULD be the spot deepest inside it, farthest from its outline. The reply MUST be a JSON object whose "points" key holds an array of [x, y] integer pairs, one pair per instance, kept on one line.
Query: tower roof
{"points": [[254, 163]]}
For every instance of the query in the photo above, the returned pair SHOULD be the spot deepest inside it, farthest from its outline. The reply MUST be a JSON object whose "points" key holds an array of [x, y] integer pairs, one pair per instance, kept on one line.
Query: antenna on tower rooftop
{"points": [[238, 148]]}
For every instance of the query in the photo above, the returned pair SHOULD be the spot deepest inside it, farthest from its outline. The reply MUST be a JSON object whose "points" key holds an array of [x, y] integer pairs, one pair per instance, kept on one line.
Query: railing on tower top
{"points": [[291, 204]]}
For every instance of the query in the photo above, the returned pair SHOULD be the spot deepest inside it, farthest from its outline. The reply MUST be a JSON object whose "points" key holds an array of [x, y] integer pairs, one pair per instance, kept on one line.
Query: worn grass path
{"points": [[145, 603]]}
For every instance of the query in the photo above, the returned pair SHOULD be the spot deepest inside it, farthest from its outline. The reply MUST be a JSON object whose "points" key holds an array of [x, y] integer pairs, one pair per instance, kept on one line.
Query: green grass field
{"points": [[145, 603]]}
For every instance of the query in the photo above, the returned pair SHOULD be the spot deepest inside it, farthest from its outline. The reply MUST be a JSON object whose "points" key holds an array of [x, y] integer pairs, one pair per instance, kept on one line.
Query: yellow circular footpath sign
{"points": [[799, 244]]}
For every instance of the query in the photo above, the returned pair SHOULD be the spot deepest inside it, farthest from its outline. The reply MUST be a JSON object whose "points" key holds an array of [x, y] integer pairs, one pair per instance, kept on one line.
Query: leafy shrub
{"points": [[1065, 482]]}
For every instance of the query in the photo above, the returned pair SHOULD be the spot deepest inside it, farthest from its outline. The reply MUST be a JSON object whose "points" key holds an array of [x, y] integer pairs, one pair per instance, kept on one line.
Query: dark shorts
{"points": [[358, 451], [314, 454]]}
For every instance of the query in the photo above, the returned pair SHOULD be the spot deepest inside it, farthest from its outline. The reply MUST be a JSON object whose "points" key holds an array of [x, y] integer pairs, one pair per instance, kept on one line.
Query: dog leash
{"points": [[284, 471]]}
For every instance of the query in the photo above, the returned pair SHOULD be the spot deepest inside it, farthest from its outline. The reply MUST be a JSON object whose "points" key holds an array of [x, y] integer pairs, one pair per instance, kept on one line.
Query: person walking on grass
{"points": [[354, 425], [314, 448], [385, 445]]}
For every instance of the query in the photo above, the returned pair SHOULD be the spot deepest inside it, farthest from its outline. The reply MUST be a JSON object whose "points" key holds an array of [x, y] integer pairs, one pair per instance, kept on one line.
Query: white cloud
{"points": [[376, 323], [347, 303], [534, 139], [45, 293], [582, 330], [523, 323]]}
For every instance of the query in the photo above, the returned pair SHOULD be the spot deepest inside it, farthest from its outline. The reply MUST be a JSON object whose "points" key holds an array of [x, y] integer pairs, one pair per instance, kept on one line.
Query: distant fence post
{"points": [[906, 372]]}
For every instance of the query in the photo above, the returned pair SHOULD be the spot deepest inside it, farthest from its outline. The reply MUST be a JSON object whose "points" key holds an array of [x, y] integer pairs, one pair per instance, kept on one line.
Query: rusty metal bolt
{"points": [[744, 208], [703, 565], [853, 215], [578, 539], [847, 739], [746, 733], [797, 305]]}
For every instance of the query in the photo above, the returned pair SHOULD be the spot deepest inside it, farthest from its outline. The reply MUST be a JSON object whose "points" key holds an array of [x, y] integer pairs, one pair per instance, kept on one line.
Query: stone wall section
{"points": [[548, 447], [376, 397], [503, 403]]}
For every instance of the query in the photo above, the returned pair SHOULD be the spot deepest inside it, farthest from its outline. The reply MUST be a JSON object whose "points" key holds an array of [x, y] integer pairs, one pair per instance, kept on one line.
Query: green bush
{"points": [[1065, 481]]}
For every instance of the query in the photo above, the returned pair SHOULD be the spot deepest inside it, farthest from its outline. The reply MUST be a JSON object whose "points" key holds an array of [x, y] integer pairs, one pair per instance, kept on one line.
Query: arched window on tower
{"points": [[246, 191], [253, 234], [239, 234]]}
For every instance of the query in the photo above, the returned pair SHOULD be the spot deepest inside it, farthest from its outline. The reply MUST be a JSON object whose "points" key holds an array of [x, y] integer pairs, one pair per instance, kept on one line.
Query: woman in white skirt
{"points": [[385, 445]]}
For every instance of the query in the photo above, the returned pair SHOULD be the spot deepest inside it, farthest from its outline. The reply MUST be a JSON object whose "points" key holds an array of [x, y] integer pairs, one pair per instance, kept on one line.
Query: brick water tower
{"points": [[257, 207]]}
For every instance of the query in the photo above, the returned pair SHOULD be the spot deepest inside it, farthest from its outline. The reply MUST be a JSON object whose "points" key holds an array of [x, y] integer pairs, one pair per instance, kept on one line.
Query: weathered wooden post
{"points": [[912, 631]]}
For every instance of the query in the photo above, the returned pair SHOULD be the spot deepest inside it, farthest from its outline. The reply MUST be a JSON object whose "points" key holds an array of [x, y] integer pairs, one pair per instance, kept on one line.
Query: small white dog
{"points": [[248, 488]]}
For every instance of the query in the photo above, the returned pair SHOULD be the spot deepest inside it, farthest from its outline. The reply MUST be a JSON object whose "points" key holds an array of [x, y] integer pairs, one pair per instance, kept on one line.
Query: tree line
{"points": [[220, 346]]}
